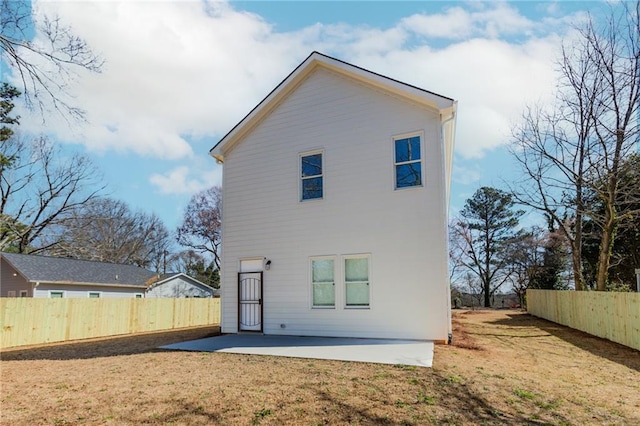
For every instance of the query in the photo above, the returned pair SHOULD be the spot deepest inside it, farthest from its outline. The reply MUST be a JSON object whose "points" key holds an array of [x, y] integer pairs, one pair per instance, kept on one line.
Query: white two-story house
{"points": [[336, 192]]}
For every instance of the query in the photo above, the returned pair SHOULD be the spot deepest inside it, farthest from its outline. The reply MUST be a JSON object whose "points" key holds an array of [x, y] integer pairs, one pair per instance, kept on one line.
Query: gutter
{"points": [[448, 172]]}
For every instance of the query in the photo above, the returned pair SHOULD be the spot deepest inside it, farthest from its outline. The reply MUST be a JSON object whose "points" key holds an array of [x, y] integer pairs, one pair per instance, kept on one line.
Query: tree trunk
{"points": [[603, 261]]}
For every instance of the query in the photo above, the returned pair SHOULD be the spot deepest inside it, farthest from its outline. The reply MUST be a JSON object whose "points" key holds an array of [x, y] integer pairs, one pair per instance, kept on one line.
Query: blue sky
{"points": [[179, 75]]}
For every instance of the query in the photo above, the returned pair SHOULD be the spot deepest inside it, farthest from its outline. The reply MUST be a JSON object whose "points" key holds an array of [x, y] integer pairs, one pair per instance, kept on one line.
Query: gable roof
{"points": [[175, 275], [445, 105], [60, 270]]}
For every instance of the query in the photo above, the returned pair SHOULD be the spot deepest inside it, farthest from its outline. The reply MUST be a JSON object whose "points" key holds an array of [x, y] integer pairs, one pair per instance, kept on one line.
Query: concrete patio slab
{"points": [[383, 351]]}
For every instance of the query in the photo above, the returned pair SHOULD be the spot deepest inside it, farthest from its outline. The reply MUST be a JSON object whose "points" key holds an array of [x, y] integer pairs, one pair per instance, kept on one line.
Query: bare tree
{"points": [[46, 64], [39, 190], [107, 230], [576, 148], [201, 227]]}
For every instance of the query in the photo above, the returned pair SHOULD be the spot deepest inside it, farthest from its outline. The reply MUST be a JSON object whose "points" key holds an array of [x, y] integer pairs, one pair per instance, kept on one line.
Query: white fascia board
{"points": [[314, 60], [262, 109]]}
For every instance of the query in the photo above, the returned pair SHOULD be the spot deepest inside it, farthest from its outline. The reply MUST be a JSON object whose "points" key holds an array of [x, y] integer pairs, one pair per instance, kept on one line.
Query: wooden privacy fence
{"points": [[611, 315], [32, 321]]}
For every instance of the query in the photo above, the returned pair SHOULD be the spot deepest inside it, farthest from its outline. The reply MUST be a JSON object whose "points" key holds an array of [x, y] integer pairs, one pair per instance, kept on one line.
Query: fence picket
{"points": [[611, 315], [33, 321]]}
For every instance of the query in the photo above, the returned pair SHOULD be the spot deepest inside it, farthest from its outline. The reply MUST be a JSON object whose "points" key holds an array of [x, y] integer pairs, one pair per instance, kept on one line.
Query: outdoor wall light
{"points": [[267, 265]]}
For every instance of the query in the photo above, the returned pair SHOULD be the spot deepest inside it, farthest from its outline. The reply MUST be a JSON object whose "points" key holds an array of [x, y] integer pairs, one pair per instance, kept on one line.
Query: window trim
{"points": [[62, 292], [302, 179], [24, 293], [11, 293], [335, 264], [394, 138], [138, 296], [99, 293], [345, 282]]}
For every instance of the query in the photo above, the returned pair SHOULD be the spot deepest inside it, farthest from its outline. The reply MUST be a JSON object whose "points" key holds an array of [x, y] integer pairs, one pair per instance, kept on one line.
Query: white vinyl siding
{"points": [[361, 212], [323, 282]]}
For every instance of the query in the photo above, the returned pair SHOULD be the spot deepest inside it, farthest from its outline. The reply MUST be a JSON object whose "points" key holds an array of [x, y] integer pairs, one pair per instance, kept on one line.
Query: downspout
{"points": [[447, 188]]}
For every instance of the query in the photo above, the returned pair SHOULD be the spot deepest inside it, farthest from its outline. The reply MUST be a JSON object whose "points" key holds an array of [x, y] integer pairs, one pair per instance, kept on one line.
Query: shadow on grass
{"points": [[471, 408], [106, 347], [595, 345], [187, 413], [448, 403]]}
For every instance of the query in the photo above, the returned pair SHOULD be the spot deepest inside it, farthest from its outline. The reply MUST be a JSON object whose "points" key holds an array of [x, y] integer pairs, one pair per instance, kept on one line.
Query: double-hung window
{"points": [[323, 282], [356, 279], [408, 161], [311, 176]]}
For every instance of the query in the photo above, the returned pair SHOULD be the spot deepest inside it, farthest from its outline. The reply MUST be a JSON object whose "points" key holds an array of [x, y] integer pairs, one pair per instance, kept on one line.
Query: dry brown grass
{"points": [[528, 371]]}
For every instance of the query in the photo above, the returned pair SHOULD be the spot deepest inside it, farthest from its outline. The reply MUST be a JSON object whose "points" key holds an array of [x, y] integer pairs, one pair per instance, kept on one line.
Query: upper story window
{"points": [[311, 176], [408, 162]]}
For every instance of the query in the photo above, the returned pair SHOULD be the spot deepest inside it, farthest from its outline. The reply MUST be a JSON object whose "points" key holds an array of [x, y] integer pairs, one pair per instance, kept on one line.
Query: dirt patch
{"points": [[528, 371]]}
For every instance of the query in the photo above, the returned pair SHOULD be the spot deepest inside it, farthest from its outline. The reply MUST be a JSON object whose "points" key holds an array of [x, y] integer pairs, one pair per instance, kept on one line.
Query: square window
{"points": [[24, 293], [11, 293], [323, 282], [311, 176], [356, 278], [408, 162]]}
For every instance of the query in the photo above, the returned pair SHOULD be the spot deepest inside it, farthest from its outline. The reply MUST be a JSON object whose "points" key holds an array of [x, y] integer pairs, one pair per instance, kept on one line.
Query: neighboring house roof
{"points": [[446, 106], [174, 275], [58, 270]]}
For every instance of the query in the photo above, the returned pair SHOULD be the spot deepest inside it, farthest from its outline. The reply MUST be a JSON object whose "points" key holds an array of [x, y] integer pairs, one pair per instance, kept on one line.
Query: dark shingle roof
{"points": [[63, 270]]}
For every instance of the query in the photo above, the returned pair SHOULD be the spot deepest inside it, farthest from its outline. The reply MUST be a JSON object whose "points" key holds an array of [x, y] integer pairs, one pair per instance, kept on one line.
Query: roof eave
{"points": [[76, 283], [416, 94]]}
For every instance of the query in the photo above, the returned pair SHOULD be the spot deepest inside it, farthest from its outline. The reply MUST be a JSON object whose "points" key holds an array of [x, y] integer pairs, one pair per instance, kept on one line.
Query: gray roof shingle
{"points": [[63, 270]]}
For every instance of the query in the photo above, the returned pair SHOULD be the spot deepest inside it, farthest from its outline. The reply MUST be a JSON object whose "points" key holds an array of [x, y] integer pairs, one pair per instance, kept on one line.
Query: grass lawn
{"points": [[505, 367]]}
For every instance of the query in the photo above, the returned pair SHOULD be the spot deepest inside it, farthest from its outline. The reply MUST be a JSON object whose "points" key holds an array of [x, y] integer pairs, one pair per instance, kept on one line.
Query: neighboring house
{"points": [[23, 275], [336, 192], [178, 285]]}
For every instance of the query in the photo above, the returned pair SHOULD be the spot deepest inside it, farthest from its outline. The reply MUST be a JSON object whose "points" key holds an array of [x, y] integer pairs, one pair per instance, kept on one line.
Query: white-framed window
{"points": [[407, 151], [94, 295], [323, 282], [56, 294], [311, 176], [357, 275], [11, 293], [24, 293]]}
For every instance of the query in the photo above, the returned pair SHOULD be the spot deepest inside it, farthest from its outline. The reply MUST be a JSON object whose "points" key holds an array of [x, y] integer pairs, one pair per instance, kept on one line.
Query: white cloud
{"points": [[182, 70], [180, 180], [458, 23]]}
